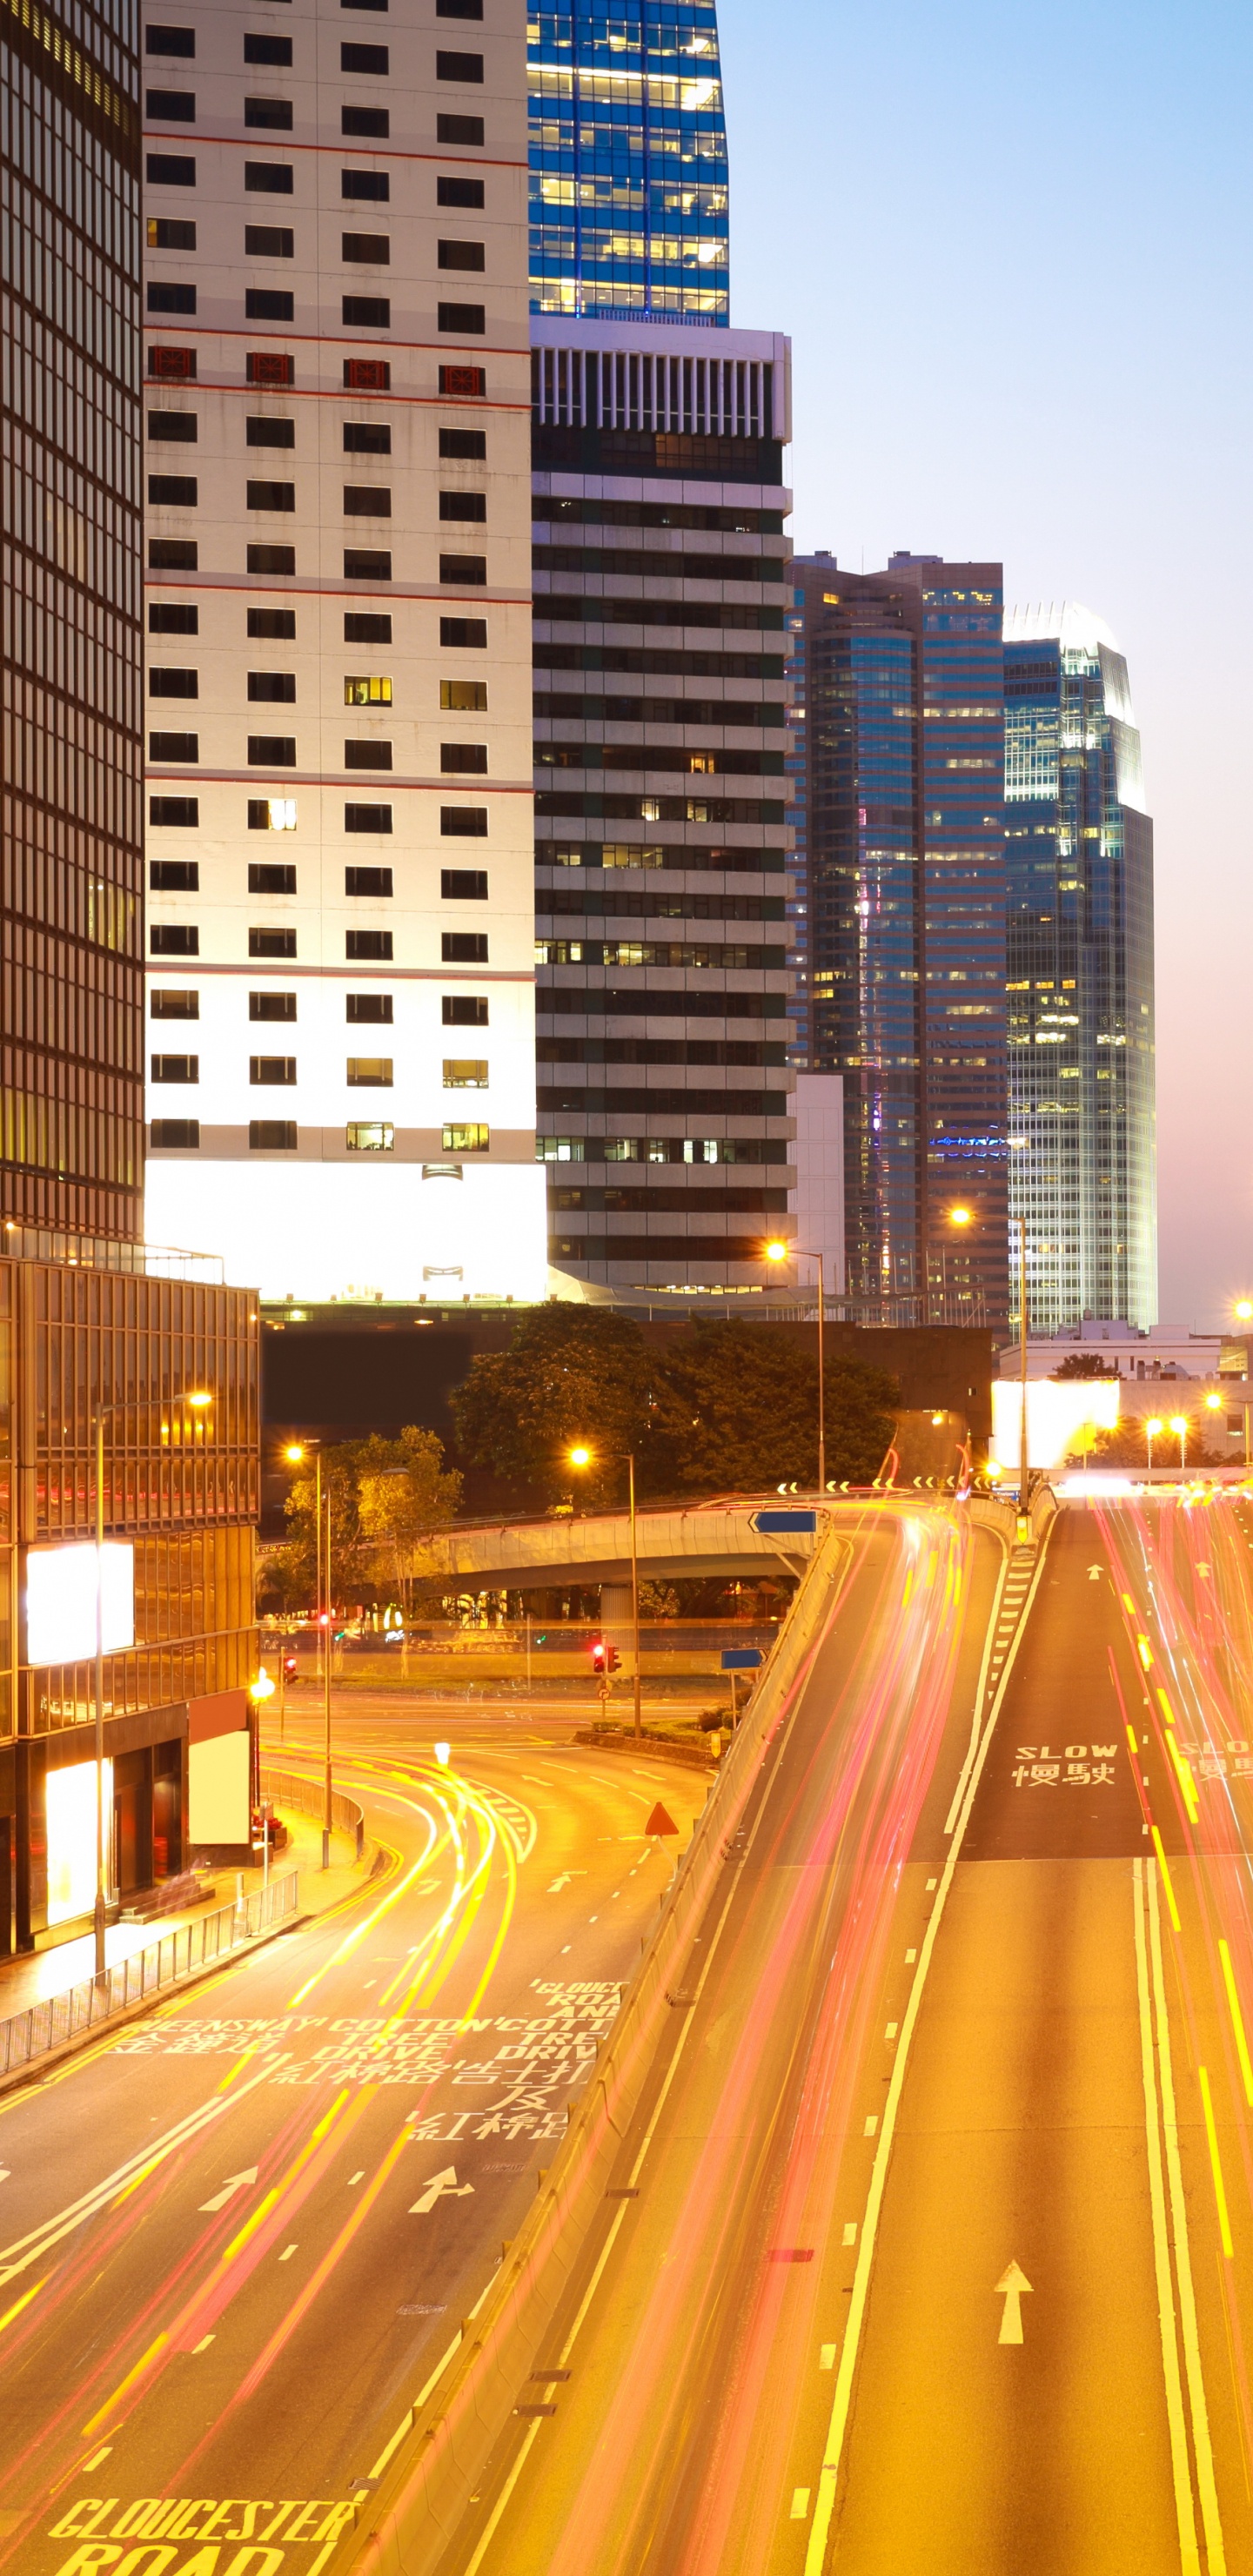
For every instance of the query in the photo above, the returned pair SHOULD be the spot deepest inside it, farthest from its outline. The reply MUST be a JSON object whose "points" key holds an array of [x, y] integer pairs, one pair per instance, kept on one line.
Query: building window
{"points": [[463, 947], [367, 501], [170, 170], [367, 818], [465, 1073], [465, 634], [469, 444], [270, 877], [367, 692], [173, 939], [271, 751], [174, 746], [464, 131], [271, 1006], [467, 506], [467, 571], [269, 178], [273, 369], [176, 428], [276, 113], [174, 1002], [271, 943], [176, 1068], [179, 41], [365, 185], [369, 1073], [459, 67], [366, 313], [370, 1136], [373, 883], [269, 241], [271, 496], [462, 254], [367, 438], [464, 1010], [372, 122], [458, 8], [276, 625], [272, 688], [174, 813], [269, 304], [368, 947], [367, 627], [463, 697], [367, 375], [165, 232], [173, 491], [367, 755], [375, 1008], [271, 813], [272, 1136], [463, 885], [463, 822], [173, 554], [452, 190], [559, 1149], [269, 49], [366, 250], [468, 757], [175, 1134], [275, 1072], [274, 560], [466, 1139], [170, 107], [174, 876], [164, 296], [373, 60], [367, 564], [173, 617], [464, 321]]}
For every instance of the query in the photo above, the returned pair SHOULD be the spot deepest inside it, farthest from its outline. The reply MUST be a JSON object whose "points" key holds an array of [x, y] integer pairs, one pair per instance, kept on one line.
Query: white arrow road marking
{"points": [[442, 2186], [567, 1875], [1012, 2283], [1095, 1572], [232, 2184], [32, 2248]]}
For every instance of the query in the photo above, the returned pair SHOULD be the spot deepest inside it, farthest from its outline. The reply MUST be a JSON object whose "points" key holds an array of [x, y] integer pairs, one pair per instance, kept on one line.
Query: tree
{"points": [[738, 1408], [571, 1373], [1084, 1364], [404, 1494]]}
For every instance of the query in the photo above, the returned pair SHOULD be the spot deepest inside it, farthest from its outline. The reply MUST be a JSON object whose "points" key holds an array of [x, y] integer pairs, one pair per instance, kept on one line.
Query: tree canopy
{"points": [[387, 1499]]}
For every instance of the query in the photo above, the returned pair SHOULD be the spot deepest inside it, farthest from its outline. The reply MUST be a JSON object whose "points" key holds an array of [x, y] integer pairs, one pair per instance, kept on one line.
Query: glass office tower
{"points": [[1080, 973], [71, 858], [901, 876], [628, 152]]}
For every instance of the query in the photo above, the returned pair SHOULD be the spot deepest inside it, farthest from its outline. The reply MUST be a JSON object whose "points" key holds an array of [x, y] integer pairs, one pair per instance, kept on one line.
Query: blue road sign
{"points": [[784, 1524], [741, 1659]]}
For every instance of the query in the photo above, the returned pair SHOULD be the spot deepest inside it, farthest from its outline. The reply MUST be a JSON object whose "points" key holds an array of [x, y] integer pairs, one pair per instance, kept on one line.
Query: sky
{"points": [[1011, 247]]}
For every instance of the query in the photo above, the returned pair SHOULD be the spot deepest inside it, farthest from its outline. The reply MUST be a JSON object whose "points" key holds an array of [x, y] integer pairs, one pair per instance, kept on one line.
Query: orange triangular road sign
{"points": [[659, 1822]]}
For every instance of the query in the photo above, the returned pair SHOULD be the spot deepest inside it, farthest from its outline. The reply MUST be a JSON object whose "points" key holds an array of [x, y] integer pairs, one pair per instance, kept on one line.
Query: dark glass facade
{"points": [[900, 898], [1080, 975], [71, 879], [628, 154]]}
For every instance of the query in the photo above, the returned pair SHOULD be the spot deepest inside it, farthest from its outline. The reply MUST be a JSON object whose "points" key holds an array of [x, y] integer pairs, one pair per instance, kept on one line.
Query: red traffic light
{"points": [[604, 1658]]}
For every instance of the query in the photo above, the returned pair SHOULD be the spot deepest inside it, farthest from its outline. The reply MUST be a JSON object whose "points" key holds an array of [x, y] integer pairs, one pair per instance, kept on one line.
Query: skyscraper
{"points": [[901, 775], [1080, 973], [71, 880], [628, 161], [660, 570], [341, 926]]}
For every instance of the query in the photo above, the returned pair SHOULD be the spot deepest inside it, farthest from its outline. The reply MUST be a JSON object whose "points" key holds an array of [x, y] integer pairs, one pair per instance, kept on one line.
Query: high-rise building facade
{"points": [[341, 929], [1080, 973], [900, 775], [71, 866], [628, 138], [660, 570]]}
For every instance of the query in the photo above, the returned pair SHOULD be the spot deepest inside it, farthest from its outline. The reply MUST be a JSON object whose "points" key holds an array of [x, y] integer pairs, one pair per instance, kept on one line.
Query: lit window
{"points": [[559, 1149], [271, 813], [465, 1073], [372, 1136], [466, 1139], [467, 697], [367, 693]]}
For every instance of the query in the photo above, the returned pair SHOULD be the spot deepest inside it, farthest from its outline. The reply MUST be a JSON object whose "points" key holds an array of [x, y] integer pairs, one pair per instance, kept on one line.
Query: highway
{"points": [[237, 2237], [939, 2245]]}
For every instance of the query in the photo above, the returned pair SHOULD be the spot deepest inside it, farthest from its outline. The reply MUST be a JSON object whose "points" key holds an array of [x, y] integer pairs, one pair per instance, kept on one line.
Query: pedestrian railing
{"points": [[288, 1789], [52, 2023]]}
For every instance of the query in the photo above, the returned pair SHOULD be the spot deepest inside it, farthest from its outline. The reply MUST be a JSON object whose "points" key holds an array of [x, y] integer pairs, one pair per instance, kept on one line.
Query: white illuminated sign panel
{"points": [[1058, 1409], [71, 1819], [61, 1601]]}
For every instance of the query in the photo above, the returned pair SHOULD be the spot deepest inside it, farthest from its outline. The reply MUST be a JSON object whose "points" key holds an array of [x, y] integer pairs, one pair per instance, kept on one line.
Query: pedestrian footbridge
{"points": [[595, 1547]]}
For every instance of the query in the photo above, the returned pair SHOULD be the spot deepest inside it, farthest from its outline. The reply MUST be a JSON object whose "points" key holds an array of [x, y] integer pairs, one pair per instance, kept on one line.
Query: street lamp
{"points": [[1179, 1425], [1151, 1430], [797, 1251], [296, 1455], [1244, 1315], [581, 1456], [197, 1401], [963, 1216]]}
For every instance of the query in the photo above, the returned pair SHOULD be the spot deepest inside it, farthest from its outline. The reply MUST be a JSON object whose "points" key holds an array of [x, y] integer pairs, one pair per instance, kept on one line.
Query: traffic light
{"points": [[604, 1657]]}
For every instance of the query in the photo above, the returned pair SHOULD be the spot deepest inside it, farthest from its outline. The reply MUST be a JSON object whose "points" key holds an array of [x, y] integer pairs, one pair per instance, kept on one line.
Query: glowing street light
{"points": [[1179, 1425], [1151, 1431], [777, 1251], [581, 1456]]}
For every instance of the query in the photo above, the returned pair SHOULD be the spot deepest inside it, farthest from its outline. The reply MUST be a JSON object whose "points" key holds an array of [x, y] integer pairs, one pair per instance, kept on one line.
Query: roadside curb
{"points": [[661, 1746]]}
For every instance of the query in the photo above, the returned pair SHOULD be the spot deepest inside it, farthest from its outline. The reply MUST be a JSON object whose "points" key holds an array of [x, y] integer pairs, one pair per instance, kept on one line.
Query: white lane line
{"points": [[981, 1688], [1184, 2516], [30, 2249], [816, 2552], [1183, 2258]]}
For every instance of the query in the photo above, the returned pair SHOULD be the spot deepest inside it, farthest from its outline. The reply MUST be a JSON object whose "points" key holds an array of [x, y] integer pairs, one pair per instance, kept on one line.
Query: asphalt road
{"points": [[236, 2238]]}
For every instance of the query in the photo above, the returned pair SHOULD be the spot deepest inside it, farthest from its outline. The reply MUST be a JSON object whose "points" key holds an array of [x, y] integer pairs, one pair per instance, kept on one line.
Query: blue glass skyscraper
{"points": [[628, 149]]}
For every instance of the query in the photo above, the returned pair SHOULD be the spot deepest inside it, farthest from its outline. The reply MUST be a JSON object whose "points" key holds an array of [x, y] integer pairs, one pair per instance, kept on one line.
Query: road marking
{"points": [[1010, 2287], [800, 2504], [1167, 1881], [1183, 2258], [1184, 2516], [86, 2466], [287, 2253], [442, 2186], [892, 2029], [910, 1957], [850, 2232], [202, 2346], [824, 2508], [232, 2184], [872, 2123], [826, 2356], [355, 2178], [1237, 2021], [1211, 2133]]}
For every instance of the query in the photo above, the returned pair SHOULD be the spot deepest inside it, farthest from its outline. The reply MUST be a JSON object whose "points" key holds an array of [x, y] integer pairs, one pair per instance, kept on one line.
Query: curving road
{"points": [[236, 2238]]}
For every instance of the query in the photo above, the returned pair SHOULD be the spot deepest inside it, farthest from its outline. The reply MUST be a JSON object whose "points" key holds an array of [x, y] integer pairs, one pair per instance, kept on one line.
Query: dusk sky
{"points": [[1012, 253]]}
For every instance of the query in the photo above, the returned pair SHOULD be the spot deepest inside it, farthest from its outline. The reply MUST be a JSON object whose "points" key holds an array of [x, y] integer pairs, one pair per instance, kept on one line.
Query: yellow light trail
{"points": [[1166, 1878], [19, 2304], [1211, 2132], [1237, 2021]]}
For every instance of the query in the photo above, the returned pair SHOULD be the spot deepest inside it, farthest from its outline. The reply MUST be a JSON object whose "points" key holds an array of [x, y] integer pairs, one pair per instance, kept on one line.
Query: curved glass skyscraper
{"points": [[628, 152]]}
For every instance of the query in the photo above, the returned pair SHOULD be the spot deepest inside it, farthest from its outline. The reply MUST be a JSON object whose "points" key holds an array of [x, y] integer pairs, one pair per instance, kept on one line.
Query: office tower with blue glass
{"points": [[1080, 973], [628, 154], [899, 759]]}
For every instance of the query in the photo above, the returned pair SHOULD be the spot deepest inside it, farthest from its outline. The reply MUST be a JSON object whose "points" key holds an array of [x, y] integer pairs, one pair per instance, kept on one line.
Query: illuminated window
{"points": [[466, 1139], [367, 693]]}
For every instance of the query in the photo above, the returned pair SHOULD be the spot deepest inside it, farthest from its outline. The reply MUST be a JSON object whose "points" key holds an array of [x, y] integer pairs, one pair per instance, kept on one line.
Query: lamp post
{"points": [[964, 1216], [1151, 1429], [296, 1455], [581, 1456], [799, 1251], [1179, 1425], [1244, 1315], [197, 1400]]}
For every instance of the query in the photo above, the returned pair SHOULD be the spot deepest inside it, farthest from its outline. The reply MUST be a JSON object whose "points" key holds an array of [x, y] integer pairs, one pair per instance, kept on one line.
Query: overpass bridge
{"points": [[595, 1547]]}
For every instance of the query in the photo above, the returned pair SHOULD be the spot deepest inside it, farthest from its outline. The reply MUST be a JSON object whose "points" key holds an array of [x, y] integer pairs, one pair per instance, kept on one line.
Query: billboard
{"points": [[61, 1601], [1057, 1410]]}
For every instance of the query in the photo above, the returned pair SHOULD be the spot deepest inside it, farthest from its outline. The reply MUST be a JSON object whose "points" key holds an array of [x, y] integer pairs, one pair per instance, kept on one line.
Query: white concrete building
{"points": [[341, 914]]}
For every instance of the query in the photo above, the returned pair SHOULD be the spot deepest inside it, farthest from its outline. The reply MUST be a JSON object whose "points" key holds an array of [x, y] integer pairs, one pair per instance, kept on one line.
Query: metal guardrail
{"points": [[57, 2019], [289, 1789]]}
